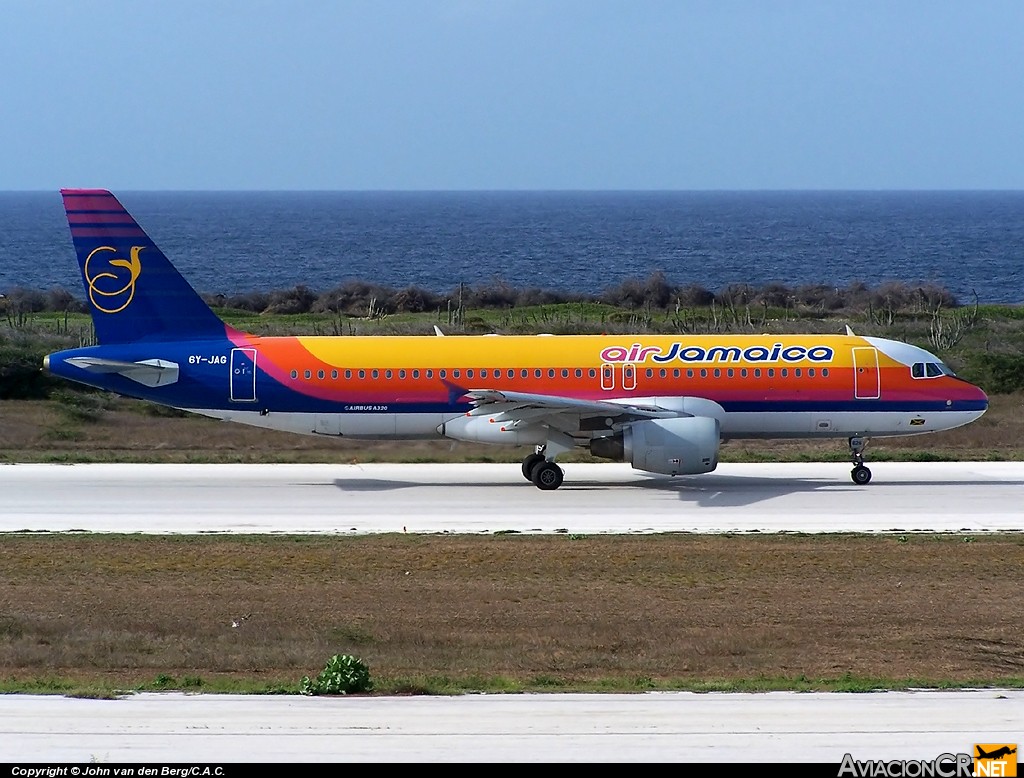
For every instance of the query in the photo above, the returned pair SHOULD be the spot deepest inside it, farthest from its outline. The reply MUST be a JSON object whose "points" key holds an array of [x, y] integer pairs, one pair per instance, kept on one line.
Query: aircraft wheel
{"points": [[547, 476], [529, 463], [860, 475]]}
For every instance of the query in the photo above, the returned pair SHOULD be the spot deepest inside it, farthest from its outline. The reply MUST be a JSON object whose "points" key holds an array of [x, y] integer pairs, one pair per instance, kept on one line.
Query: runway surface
{"points": [[488, 498], [664, 727]]}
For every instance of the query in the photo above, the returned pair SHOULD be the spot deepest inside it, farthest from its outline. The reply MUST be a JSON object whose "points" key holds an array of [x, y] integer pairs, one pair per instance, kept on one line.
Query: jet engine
{"points": [[680, 446]]}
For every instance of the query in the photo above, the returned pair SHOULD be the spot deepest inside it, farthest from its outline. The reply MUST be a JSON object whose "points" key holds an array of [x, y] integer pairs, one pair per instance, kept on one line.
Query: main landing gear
{"points": [[860, 474], [544, 474]]}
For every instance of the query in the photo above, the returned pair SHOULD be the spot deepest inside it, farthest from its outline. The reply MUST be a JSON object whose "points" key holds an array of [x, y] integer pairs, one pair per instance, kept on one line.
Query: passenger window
{"points": [[469, 373], [650, 373], [536, 373], [348, 374], [743, 372], [415, 373], [689, 374], [675, 373], [718, 372], [785, 372], [565, 373], [295, 374], [388, 374], [797, 372], [703, 373], [551, 372], [730, 372], [307, 374], [375, 374], [757, 372], [771, 372], [334, 375], [810, 372], [401, 374], [456, 374], [593, 373], [483, 373], [442, 373], [824, 372], [362, 374], [579, 373]]}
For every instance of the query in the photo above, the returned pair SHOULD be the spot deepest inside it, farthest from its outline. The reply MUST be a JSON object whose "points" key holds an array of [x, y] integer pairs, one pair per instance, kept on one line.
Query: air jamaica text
{"points": [[729, 354]]}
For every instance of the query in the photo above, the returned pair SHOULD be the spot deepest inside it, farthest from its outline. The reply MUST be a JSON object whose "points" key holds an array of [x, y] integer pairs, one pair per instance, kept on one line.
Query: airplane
{"points": [[663, 403], [999, 752]]}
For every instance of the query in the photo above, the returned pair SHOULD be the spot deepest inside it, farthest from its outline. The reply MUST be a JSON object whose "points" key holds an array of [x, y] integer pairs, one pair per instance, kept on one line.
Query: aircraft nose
{"points": [[976, 400]]}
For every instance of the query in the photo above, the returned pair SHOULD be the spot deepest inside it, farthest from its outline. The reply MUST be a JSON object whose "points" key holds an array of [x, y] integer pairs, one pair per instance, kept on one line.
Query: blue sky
{"points": [[512, 94]]}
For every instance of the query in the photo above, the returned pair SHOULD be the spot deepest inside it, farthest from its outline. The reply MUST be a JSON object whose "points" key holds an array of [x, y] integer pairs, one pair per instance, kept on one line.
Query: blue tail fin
{"points": [[134, 292]]}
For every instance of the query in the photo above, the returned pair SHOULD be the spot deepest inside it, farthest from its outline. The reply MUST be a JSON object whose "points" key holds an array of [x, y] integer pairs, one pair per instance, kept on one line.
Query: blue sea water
{"points": [[233, 242]]}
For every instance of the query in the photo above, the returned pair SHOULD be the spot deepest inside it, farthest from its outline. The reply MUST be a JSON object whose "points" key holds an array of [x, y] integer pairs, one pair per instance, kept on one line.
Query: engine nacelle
{"points": [[680, 446], [484, 429]]}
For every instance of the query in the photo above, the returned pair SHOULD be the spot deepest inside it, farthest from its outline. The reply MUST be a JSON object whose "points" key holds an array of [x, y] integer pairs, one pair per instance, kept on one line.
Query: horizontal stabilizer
{"points": [[148, 372]]}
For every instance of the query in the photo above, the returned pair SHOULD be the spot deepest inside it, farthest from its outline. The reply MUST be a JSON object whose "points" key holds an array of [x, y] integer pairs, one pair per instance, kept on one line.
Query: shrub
{"points": [[997, 373], [654, 291], [291, 301], [21, 375], [344, 674]]}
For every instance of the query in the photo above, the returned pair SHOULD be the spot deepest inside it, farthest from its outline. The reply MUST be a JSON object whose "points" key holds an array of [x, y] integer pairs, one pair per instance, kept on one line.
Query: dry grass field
{"points": [[509, 612]]}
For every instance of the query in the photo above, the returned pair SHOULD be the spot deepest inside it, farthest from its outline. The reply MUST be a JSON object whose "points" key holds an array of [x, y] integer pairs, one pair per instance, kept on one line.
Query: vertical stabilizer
{"points": [[133, 291]]}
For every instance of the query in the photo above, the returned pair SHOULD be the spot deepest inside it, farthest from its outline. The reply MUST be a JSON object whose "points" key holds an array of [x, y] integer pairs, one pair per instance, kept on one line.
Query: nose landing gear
{"points": [[860, 474]]}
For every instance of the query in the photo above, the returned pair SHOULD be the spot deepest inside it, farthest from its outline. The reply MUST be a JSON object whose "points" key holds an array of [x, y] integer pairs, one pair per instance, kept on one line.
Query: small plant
{"points": [[164, 681], [344, 674]]}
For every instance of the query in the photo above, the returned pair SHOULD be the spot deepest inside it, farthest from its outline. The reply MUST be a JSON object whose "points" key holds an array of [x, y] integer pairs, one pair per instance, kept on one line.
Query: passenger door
{"points": [[866, 381], [243, 375]]}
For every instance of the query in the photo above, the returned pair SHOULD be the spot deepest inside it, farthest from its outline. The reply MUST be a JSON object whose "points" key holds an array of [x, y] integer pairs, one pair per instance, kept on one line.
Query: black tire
{"points": [[547, 476], [529, 463], [860, 475]]}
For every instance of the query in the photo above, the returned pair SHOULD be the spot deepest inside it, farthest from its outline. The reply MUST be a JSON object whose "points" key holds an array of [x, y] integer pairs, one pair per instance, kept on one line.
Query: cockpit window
{"points": [[930, 370]]}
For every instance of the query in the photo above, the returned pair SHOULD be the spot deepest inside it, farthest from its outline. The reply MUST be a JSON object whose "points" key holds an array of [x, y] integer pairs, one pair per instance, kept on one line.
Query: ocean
{"points": [[585, 242]]}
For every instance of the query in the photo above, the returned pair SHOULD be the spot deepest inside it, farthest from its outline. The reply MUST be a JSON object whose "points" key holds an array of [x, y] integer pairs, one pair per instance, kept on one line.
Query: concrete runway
{"points": [[662, 727], [487, 498]]}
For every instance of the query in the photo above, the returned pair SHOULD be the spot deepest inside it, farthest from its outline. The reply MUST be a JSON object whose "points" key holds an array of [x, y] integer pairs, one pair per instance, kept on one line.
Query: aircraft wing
{"points": [[523, 406]]}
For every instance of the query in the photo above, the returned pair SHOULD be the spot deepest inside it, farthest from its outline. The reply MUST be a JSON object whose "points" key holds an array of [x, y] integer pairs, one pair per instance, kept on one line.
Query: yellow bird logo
{"points": [[111, 291]]}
